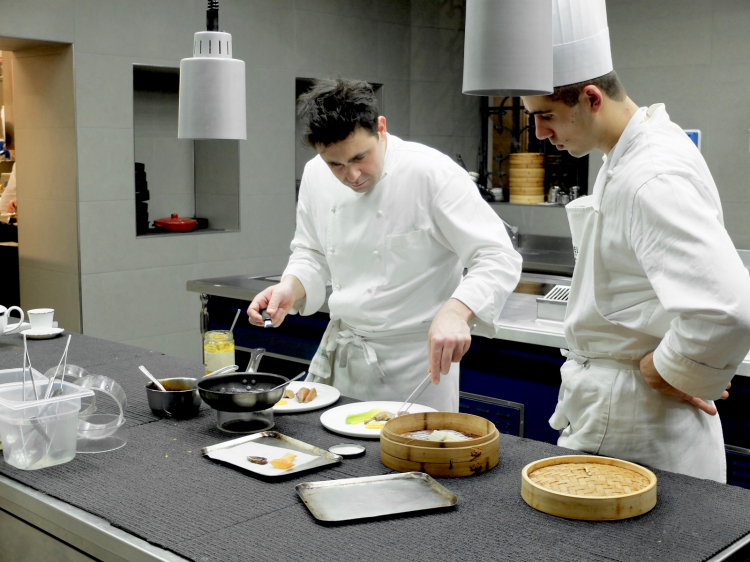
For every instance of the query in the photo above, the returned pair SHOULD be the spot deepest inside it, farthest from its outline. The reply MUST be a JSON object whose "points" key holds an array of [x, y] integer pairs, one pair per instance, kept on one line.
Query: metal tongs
{"points": [[401, 411]]}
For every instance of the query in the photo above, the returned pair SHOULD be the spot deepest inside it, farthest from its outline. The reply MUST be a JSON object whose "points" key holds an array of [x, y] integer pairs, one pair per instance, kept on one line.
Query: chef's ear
{"points": [[593, 97], [381, 127]]}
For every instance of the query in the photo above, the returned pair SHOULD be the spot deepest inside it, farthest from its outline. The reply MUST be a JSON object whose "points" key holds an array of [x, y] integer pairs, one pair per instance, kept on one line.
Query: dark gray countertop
{"points": [[159, 489]]}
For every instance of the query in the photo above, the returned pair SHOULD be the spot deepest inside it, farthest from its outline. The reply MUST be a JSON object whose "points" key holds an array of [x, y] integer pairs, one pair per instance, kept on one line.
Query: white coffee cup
{"points": [[41, 318], [4, 314]]}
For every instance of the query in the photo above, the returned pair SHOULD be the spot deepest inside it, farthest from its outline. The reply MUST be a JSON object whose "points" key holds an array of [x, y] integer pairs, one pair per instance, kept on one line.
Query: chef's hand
{"points": [[654, 380], [278, 300], [449, 337], [12, 206]]}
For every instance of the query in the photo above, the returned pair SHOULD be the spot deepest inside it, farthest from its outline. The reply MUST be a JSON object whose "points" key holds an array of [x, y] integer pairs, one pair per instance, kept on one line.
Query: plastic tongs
{"points": [[423, 386]]}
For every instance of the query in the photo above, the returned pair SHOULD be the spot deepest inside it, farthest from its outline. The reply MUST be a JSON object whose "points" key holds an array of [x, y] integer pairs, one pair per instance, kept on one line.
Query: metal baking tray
{"points": [[374, 496], [242, 445]]}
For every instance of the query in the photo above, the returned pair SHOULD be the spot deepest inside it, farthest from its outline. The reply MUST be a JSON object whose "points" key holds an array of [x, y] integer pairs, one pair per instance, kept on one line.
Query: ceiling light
{"points": [[212, 86]]}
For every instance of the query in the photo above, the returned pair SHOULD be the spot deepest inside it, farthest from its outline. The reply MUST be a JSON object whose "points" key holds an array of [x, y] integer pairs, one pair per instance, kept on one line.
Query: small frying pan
{"points": [[249, 391]]}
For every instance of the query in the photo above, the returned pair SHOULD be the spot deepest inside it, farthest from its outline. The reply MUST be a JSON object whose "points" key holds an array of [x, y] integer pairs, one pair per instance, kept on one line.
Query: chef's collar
{"points": [[640, 119], [390, 154]]}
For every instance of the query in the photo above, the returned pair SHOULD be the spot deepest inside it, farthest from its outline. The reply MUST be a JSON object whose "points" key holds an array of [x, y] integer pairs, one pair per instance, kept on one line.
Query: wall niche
{"points": [[190, 178]]}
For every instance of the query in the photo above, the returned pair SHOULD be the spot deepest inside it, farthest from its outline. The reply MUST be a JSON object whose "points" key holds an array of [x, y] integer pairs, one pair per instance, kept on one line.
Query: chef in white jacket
{"points": [[392, 225], [659, 312]]}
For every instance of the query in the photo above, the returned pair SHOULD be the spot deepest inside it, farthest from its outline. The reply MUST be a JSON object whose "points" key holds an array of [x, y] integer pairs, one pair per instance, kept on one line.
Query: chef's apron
{"points": [[605, 405], [381, 366]]}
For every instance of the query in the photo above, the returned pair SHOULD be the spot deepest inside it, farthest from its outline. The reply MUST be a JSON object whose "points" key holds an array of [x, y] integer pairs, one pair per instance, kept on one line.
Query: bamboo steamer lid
{"points": [[527, 190], [526, 199], [526, 173], [437, 458], [588, 487]]}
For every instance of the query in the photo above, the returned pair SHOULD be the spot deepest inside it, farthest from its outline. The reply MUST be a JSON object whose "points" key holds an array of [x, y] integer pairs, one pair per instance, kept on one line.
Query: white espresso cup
{"points": [[4, 314], [41, 318]]}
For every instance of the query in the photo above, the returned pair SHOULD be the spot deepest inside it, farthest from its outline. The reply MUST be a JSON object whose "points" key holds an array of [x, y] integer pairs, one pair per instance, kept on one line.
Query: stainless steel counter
{"points": [[518, 319]]}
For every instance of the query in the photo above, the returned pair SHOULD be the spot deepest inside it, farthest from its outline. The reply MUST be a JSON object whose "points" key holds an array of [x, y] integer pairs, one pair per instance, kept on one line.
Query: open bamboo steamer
{"points": [[437, 458], [588, 487], [526, 182]]}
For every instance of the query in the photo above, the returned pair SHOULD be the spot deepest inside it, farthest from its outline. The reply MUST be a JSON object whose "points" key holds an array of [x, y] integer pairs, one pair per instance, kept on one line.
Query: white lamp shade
{"points": [[212, 91], [508, 48]]}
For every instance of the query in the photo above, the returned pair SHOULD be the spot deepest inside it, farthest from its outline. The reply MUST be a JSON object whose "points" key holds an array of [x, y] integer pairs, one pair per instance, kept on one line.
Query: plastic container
{"points": [[39, 433], [16, 375], [218, 349]]}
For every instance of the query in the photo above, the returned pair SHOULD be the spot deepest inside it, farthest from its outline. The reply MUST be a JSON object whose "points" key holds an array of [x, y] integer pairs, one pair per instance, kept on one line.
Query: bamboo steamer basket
{"points": [[526, 191], [526, 156], [588, 487], [436, 458], [526, 173], [526, 182], [526, 199], [524, 166]]}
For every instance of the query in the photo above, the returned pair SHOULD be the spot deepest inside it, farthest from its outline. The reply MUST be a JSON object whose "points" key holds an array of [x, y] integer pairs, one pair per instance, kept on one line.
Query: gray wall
{"points": [[133, 290], [694, 56]]}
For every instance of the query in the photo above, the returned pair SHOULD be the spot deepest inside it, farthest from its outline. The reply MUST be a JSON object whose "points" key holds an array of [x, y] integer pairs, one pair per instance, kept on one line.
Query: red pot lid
{"points": [[176, 223]]}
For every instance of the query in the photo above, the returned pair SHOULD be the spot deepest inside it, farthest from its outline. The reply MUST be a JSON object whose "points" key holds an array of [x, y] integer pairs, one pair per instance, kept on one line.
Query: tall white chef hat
{"points": [[580, 41]]}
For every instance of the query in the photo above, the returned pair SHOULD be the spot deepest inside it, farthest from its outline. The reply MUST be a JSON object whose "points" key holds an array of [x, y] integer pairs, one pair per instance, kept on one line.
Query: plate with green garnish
{"points": [[352, 419]]}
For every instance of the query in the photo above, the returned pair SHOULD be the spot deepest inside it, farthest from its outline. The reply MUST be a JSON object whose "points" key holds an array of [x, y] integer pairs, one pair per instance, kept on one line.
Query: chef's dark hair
{"points": [[609, 84], [334, 108]]}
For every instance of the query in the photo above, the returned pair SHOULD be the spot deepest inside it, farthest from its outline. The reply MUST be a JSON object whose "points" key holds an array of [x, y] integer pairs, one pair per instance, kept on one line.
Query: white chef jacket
{"points": [[395, 255], [674, 280], [663, 276]]}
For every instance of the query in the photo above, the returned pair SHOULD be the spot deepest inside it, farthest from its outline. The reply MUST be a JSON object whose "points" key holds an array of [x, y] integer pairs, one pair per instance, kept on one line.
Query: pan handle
{"points": [[255, 356]]}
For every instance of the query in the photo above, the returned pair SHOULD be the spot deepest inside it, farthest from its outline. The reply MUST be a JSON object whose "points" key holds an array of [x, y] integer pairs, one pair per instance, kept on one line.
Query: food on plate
{"points": [[445, 435], [354, 419], [381, 416], [258, 460], [288, 393], [284, 462], [371, 416], [374, 425], [305, 395], [281, 403]]}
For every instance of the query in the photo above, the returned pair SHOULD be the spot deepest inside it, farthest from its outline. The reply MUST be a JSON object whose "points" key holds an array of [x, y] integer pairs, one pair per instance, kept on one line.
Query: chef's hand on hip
{"points": [[655, 381], [449, 337], [278, 300]]}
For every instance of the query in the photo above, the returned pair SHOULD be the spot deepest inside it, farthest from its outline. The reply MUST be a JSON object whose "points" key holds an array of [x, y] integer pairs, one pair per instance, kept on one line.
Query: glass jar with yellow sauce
{"points": [[218, 349]]}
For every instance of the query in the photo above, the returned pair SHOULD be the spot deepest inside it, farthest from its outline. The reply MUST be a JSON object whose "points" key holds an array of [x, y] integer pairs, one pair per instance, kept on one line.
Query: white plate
{"points": [[327, 395], [43, 334], [335, 418], [238, 457]]}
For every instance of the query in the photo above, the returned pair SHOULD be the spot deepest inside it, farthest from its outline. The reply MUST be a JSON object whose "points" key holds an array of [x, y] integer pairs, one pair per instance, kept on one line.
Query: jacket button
{"points": [[333, 209], [379, 214], [375, 253], [610, 173], [337, 287]]}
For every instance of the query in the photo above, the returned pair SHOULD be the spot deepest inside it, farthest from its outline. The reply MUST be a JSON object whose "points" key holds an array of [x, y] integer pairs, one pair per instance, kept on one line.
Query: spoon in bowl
{"points": [[153, 379]]}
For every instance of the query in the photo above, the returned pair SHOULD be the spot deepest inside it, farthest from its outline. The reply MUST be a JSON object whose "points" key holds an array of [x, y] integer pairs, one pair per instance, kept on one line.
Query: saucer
{"points": [[43, 334]]}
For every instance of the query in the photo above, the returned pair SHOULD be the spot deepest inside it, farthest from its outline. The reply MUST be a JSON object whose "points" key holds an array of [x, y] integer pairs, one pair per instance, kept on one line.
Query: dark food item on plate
{"points": [[258, 460]]}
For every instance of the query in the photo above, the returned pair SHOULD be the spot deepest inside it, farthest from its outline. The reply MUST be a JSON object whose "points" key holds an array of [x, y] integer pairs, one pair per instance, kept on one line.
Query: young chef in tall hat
{"points": [[659, 312], [392, 225]]}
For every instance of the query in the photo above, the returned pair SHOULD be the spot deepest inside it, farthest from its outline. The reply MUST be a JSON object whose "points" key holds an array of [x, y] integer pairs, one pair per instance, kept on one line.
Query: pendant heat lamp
{"points": [[508, 48], [212, 86]]}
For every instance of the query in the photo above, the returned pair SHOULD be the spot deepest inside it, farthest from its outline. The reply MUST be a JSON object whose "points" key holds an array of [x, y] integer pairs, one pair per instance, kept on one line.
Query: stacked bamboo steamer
{"points": [[438, 458], [526, 178]]}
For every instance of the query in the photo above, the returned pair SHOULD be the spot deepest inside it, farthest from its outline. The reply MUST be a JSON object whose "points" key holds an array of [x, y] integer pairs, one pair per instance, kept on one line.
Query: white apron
{"points": [[605, 406], [381, 366]]}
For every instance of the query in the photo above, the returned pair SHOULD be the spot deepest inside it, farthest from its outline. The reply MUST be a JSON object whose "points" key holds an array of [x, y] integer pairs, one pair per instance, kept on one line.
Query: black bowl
{"points": [[241, 392]]}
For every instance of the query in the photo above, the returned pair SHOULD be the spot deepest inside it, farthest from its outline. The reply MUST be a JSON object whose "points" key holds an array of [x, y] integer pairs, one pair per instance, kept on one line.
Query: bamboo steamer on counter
{"points": [[526, 178], [588, 487], [440, 458]]}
